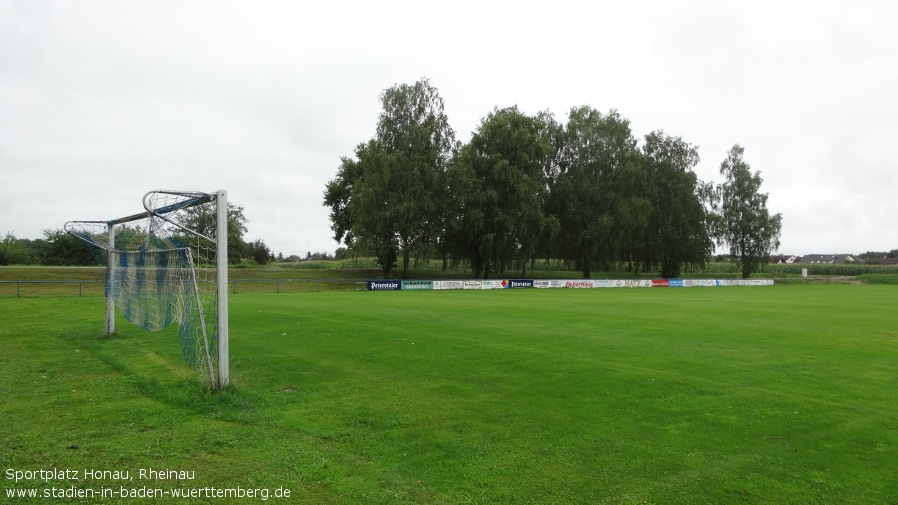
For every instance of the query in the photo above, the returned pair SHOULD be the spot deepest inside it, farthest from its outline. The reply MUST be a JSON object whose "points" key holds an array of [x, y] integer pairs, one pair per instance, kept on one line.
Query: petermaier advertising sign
{"points": [[391, 285]]}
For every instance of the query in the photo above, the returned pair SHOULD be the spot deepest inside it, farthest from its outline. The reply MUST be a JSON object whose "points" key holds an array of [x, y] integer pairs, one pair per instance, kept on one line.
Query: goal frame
{"points": [[221, 263]]}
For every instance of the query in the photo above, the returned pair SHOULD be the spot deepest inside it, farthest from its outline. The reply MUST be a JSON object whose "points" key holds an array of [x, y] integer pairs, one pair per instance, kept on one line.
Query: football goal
{"points": [[167, 265]]}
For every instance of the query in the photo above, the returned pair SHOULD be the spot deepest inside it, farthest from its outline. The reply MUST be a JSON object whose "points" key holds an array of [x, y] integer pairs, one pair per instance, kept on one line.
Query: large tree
{"points": [[356, 217], [593, 193], [388, 200], [499, 191], [203, 219], [746, 225], [677, 232]]}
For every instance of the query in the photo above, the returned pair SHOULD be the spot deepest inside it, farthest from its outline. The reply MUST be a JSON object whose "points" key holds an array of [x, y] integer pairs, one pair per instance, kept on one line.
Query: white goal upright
{"points": [[169, 264]]}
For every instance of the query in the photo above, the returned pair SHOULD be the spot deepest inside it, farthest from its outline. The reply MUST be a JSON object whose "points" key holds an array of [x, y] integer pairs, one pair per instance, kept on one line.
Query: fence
{"points": [[98, 287], [237, 286]]}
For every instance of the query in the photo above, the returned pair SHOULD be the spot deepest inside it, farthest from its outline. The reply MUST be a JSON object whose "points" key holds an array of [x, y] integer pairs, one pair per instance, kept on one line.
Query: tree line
{"points": [[527, 187], [58, 248]]}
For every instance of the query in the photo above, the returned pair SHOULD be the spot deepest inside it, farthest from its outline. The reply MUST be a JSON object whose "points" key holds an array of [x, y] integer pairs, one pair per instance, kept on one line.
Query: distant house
{"points": [[784, 259], [832, 259]]}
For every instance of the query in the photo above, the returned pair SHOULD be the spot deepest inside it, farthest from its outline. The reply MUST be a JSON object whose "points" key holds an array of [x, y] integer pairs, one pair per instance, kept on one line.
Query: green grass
{"points": [[878, 278], [702, 395]]}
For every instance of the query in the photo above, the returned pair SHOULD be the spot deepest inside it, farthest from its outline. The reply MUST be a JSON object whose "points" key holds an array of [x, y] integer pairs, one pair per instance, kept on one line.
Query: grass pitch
{"points": [[702, 395]]}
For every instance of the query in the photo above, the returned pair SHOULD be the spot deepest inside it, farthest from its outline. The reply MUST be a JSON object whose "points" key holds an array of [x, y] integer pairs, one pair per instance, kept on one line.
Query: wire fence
{"points": [[36, 288]]}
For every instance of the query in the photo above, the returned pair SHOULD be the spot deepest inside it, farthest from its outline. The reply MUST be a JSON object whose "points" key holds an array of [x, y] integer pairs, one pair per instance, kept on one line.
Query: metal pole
{"points": [[221, 238], [110, 280]]}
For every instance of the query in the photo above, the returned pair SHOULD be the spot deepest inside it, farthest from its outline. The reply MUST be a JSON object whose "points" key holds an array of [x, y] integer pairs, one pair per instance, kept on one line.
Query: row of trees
{"points": [[527, 187], [61, 249]]}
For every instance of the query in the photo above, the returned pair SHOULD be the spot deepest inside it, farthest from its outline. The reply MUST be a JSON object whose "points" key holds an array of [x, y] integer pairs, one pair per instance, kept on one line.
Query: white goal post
{"points": [[169, 264]]}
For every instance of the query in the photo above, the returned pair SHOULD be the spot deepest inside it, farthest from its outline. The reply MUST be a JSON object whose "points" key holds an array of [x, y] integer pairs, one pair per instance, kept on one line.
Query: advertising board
{"points": [[586, 283], [448, 285], [384, 285], [492, 284], [416, 285]]}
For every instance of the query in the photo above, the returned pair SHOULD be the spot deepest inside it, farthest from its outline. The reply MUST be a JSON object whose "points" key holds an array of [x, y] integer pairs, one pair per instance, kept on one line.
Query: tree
{"points": [[63, 249], [594, 194], [203, 220], [357, 218], [677, 232], [387, 202], [745, 223], [499, 191], [14, 250], [259, 252]]}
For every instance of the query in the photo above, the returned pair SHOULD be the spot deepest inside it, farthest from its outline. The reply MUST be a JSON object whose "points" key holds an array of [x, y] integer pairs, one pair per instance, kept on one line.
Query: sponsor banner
{"points": [[749, 282], [625, 283], [448, 285], [392, 285], [385, 285], [555, 283], [416, 285]]}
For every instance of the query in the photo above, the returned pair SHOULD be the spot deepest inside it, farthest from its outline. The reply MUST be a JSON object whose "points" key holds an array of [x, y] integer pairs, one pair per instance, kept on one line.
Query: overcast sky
{"points": [[102, 101]]}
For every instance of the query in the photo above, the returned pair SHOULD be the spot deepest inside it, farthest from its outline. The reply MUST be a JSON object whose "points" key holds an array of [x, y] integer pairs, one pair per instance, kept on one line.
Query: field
{"points": [[783, 394]]}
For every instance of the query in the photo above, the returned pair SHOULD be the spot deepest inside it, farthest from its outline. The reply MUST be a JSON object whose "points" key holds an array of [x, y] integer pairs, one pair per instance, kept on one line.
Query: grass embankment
{"points": [[700, 395]]}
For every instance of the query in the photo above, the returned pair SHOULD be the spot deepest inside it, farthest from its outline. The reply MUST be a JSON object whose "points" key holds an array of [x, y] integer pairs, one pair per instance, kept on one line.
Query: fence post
{"points": [[80, 288], [278, 282], [18, 289]]}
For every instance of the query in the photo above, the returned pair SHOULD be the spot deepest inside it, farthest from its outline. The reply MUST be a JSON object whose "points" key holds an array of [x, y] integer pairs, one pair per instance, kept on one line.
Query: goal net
{"points": [[168, 265]]}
